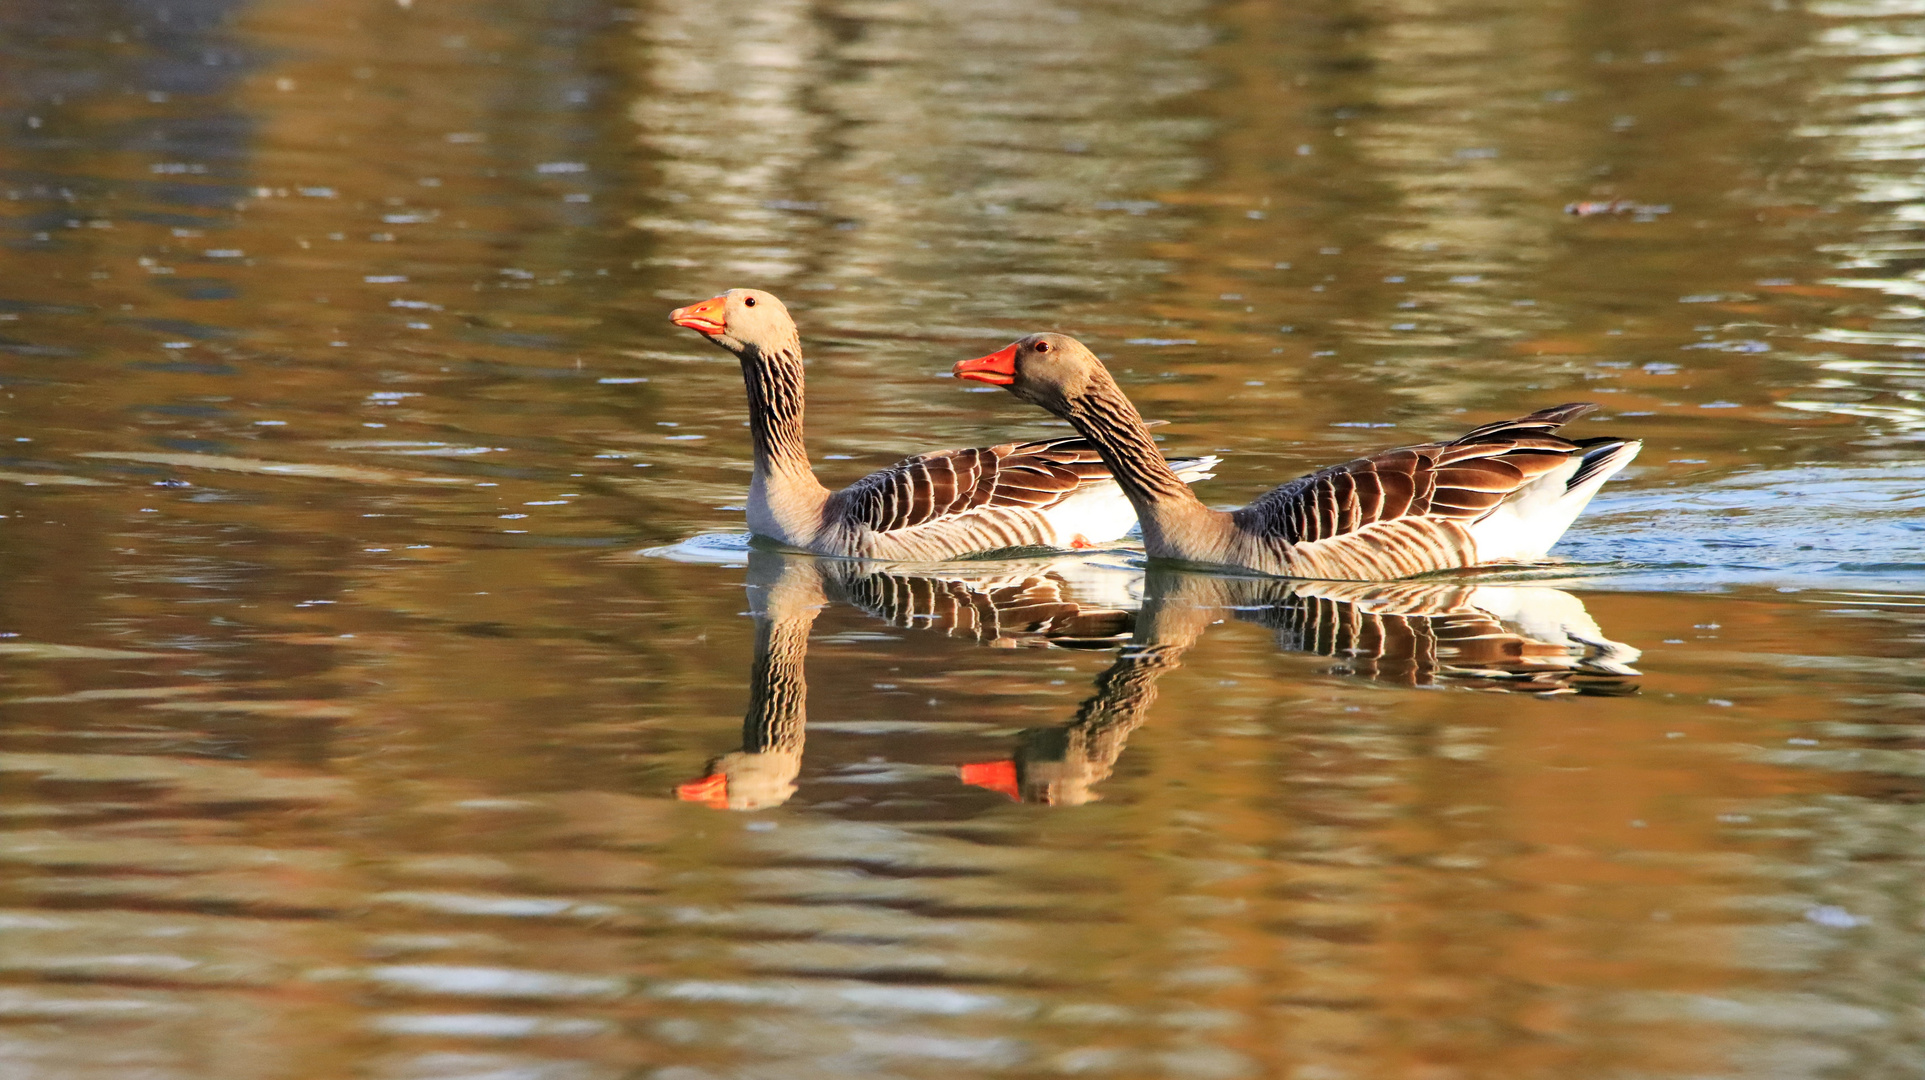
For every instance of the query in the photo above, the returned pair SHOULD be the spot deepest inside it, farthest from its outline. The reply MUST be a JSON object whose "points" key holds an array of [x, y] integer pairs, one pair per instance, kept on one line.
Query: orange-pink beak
{"points": [[996, 369], [711, 790], [997, 776], [708, 317]]}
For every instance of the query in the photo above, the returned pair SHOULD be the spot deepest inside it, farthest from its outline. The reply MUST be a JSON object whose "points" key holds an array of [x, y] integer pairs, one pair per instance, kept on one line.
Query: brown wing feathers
{"points": [[1463, 480], [1017, 475]]}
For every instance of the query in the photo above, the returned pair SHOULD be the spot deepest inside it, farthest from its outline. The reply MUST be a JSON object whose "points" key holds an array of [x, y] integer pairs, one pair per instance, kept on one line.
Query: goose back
{"points": [[1416, 509], [1013, 495]]}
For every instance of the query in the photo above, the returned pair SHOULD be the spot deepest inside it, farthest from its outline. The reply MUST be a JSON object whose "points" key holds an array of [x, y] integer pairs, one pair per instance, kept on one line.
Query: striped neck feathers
{"points": [[1104, 416], [773, 376]]}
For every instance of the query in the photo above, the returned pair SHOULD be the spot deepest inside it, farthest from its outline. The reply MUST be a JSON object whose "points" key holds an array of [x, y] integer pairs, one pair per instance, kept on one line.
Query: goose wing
{"points": [[1415, 501], [928, 487]]}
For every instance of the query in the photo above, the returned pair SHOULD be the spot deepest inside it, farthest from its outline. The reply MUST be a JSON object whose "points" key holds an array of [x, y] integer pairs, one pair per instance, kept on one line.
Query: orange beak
{"points": [[998, 776], [711, 790], [996, 369], [707, 317]]}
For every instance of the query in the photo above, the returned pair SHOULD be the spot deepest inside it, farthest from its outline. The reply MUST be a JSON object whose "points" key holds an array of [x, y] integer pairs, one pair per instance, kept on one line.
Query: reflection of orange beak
{"points": [[998, 776], [711, 790], [996, 369], [706, 317]]}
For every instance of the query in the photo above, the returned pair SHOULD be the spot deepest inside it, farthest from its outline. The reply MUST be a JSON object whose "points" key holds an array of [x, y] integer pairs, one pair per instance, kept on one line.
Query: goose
{"points": [[1502, 493], [928, 508]]}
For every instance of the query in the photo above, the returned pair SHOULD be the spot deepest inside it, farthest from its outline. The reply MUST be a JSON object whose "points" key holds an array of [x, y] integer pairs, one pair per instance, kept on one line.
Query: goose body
{"points": [[1502, 493], [927, 508]]}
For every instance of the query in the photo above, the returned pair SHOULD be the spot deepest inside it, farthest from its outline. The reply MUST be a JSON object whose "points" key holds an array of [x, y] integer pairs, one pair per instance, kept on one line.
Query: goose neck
{"points": [[1162, 500], [774, 381]]}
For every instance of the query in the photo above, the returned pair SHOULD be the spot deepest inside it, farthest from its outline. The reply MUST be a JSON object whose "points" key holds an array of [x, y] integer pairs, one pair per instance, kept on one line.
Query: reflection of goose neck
{"points": [[785, 594], [1089, 745], [778, 689], [1062, 766]]}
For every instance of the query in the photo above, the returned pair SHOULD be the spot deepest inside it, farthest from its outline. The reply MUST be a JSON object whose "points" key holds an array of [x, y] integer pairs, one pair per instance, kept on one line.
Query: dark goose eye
{"points": [[1042, 346], [748, 301]]}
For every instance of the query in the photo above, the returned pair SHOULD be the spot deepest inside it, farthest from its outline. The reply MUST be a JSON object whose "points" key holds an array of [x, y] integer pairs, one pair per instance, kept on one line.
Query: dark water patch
{"points": [[77, 191], [434, 776], [25, 348], [30, 307], [185, 367], [171, 220], [201, 411], [517, 340], [183, 328], [199, 288]]}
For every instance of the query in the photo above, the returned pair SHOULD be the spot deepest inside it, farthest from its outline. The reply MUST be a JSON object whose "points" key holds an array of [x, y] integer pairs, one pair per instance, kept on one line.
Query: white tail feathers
{"points": [[1524, 526]]}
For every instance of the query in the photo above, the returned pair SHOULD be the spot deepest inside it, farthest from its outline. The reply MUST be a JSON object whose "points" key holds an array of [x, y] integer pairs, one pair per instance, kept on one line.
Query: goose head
{"points": [[1054, 371], [741, 321]]}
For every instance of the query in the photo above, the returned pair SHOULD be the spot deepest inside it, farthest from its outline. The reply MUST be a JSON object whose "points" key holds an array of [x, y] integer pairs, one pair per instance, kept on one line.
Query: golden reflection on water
{"points": [[345, 718]]}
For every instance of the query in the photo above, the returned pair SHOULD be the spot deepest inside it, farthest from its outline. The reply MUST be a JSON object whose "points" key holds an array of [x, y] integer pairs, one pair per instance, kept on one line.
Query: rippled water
{"points": [[390, 690]]}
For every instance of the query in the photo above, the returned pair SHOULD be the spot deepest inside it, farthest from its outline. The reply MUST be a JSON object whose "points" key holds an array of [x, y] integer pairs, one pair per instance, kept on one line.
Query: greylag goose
{"points": [[1506, 638], [1501, 493], [1049, 493]]}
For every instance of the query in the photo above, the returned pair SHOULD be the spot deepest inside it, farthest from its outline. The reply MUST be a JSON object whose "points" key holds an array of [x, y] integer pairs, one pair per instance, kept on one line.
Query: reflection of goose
{"points": [[784, 595], [1504, 492], [1020, 602], [1052, 493], [1521, 638], [1024, 605], [1526, 639]]}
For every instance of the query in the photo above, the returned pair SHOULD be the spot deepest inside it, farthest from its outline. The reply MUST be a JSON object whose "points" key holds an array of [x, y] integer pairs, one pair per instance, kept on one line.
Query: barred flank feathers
{"points": [[1005, 486], [1417, 488], [921, 489]]}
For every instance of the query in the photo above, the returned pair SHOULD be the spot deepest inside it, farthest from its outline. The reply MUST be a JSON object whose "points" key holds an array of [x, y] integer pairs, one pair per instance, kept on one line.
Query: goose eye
{"points": [[748, 301], [1042, 346]]}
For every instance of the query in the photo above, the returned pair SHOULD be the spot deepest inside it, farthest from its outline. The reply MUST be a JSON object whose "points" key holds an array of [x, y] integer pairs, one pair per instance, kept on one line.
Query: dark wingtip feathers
{"points": [[1541, 421], [1559, 414], [1598, 454]]}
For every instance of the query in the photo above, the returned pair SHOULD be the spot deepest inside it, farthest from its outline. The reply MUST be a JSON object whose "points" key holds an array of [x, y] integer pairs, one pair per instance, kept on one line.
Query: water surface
{"points": [[379, 621]]}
